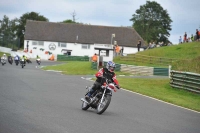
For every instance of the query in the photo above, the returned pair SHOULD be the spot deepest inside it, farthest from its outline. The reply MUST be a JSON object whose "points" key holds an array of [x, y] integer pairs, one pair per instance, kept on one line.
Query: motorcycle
{"points": [[3, 61], [10, 60], [16, 62], [101, 98], [22, 62], [28, 61], [38, 61]]}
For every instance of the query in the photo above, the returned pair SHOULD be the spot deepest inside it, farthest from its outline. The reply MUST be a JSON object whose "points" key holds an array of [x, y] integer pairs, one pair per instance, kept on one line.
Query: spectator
{"points": [[197, 34], [114, 54], [122, 50], [192, 38], [117, 50], [94, 58], [189, 40], [180, 40], [139, 45], [185, 37], [153, 45]]}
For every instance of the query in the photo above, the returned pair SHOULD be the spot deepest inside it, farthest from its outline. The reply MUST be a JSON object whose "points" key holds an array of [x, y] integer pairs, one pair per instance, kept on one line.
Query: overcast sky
{"points": [[185, 14]]}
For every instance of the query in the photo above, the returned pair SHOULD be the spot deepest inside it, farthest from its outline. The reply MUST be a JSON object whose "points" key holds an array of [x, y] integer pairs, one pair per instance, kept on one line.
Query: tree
{"points": [[22, 23], [8, 30], [68, 21], [152, 22]]}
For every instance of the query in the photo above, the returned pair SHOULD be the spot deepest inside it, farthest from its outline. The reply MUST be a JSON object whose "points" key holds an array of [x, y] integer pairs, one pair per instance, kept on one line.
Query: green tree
{"points": [[22, 23], [152, 22], [8, 30], [68, 21]]}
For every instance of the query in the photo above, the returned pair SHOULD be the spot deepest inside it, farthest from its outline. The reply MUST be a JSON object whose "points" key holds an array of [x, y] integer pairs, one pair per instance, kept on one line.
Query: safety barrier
{"points": [[149, 59], [185, 80]]}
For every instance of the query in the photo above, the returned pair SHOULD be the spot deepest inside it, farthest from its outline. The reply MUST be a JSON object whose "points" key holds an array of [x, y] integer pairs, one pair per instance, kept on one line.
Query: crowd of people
{"points": [[192, 38]]}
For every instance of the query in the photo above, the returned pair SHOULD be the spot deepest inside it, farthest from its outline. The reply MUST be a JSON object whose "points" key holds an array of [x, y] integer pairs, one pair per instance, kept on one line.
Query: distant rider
{"points": [[23, 57], [4, 57], [103, 73]]}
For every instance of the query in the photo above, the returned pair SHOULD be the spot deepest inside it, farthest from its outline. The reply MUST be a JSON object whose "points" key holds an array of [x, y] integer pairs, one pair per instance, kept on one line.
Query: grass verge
{"points": [[76, 68], [160, 89]]}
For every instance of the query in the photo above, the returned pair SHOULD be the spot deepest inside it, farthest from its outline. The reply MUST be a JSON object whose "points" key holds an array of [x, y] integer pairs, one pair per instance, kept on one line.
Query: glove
{"points": [[118, 87]]}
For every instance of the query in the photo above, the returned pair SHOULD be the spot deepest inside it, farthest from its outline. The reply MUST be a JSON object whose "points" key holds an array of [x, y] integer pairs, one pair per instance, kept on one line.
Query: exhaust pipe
{"points": [[83, 99]]}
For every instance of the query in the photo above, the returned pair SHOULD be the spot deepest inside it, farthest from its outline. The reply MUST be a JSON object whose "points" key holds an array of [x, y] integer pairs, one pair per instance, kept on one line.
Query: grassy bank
{"points": [[187, 53], [181, 51]]}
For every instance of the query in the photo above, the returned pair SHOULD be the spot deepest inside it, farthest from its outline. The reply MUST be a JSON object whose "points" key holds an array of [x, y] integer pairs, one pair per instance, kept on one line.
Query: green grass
{"points": [[1, 54], [76, 68], [181, 51], [160, 89], [188, 53]]}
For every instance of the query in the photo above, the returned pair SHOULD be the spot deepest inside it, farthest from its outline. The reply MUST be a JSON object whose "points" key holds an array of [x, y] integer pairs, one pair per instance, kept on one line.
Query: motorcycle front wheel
{"points": [[104, 105]]}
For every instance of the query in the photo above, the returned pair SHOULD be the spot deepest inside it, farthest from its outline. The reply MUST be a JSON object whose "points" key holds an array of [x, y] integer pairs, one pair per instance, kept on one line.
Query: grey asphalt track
{"points": [[37, 101]]}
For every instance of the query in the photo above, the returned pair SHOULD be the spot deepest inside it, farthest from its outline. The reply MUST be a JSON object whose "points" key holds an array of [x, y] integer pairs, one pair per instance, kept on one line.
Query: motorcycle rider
{"points": [[107, 72], [37, 58], [23, 57], [17, 58], [4, 57]]}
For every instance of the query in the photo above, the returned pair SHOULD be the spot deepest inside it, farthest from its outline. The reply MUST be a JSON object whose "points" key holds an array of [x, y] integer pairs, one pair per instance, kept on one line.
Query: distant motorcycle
{"points": [[101, 98], [38, 61], [10, 60], [28, 61], [22, 62], [3, 61], [16, 62]]}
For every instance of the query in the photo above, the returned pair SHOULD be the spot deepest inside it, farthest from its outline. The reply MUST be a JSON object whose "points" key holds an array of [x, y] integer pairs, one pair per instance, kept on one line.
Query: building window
{"points": [[85, 46], [60, 44], [41, 43], [34, 43]]}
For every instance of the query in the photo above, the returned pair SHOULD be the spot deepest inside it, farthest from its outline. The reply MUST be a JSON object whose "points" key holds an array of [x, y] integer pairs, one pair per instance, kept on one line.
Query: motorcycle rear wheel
{"points": [[102, 107]]}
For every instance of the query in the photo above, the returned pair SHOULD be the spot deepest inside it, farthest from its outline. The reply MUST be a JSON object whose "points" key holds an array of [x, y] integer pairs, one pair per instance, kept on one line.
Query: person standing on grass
{"points": [[185, 37], [180, 40], [197, 34], [94, 58], [139, 45]]}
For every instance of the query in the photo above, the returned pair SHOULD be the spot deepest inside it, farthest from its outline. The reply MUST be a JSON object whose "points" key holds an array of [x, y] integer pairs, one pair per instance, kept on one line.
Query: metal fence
{"points": [[185, 80], [148, 59]]}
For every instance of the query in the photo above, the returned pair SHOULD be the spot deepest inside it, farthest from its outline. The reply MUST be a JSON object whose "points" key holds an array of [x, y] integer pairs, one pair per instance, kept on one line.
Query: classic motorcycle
{"points": [[22, 63], [3, 61], [38, 61], [101, 98]]}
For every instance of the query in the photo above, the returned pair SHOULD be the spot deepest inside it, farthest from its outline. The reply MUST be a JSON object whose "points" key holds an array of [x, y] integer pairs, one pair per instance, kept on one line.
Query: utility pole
{"points": [[73, 16]]}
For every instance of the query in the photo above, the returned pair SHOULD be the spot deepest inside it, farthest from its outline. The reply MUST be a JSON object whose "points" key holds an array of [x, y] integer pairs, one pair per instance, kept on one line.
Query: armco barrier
{"points": [[185, 80], [161, 71]]}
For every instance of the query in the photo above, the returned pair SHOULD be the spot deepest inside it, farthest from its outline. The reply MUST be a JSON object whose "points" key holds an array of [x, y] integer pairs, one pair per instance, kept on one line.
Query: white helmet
{"points": [[4, 54]]}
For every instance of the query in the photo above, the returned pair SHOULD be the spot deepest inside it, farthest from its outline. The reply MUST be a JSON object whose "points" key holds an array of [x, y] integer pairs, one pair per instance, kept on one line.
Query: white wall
{"points": [[76, 49]]}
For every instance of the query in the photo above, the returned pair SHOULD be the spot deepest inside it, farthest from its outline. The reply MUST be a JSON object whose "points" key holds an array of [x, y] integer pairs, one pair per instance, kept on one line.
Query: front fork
{"points": [[103, 96]]}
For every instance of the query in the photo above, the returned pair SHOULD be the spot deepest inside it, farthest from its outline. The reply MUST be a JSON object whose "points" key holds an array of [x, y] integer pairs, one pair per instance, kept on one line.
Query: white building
{"points": [[78, 39]]}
